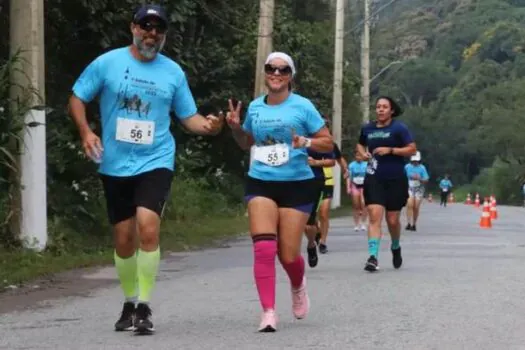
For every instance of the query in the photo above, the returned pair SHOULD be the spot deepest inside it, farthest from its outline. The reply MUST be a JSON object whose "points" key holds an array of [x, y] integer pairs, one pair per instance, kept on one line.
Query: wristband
{"points": [[308, 143]]}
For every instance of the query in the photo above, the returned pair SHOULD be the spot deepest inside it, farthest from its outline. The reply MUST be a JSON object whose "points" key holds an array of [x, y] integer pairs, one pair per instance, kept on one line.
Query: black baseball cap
{"points": [[150, 11]]}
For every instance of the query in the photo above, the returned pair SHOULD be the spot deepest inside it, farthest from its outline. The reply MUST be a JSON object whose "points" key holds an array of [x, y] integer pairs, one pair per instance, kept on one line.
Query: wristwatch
{"points": [[308, 143]]}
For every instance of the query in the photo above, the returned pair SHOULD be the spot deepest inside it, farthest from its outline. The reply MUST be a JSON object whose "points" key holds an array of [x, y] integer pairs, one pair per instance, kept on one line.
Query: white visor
{"points": [[282, 56]]}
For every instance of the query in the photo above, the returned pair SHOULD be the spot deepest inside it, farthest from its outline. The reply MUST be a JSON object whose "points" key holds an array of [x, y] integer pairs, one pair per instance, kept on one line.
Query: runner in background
{"points": [[354, 188], [328, 193], [523, 191], [317, 162], [417, 178], [445, 185], [385, 142]]}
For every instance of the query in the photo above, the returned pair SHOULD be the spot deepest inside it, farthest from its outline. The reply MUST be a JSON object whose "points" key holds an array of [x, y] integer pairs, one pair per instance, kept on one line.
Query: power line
{"points": [[239, 30], [370, 16]]}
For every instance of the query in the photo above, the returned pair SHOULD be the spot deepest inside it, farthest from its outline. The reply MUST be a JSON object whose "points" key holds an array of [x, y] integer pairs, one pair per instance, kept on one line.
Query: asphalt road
{"points": [[461, 287]]}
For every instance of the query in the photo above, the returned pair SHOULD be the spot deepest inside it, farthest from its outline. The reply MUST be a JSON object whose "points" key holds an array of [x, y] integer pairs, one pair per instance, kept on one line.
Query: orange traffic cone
{"points": [[430, 197], [493, 209], [485, 221], [469, 200], [476, 201], [451, 198]]}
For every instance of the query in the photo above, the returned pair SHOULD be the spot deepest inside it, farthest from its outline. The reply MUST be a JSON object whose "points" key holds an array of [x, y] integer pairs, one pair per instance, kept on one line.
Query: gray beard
{"points": [[147, 51]]}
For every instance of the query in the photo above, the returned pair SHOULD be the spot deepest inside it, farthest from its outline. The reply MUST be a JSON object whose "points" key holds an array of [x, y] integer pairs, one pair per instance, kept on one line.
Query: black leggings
{"points": [[444, 196]]}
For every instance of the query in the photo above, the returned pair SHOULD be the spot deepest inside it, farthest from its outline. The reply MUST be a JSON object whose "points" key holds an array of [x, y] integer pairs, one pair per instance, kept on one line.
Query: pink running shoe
{"points": [[268, 321], [300, 301]]}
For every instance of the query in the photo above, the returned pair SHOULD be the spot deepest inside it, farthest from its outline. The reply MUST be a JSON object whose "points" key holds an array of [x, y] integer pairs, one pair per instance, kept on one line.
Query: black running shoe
{"points": [[408, 227], [372, 264], [397, 260], [322, 248], [125, 322], [413, 227], [312, 256], [143, 324]]}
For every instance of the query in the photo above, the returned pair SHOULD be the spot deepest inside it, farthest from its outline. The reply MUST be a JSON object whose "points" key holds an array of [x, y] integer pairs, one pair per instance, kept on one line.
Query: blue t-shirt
{"points": [[445, 184], [420, 170], [274, 124], [396, 134], [357, 169], [140, 92]]}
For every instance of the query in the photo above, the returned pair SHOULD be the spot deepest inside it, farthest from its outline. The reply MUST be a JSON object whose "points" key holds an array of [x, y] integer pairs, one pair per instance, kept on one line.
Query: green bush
{"points": [[503, 179]]}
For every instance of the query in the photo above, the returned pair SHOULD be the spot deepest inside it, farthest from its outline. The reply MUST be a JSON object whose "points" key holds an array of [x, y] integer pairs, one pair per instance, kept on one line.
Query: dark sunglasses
{"points": [[160, 28], [269, 69]]}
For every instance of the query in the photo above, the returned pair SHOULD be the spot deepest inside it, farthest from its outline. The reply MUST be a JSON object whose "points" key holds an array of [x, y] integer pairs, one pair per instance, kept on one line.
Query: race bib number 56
{"points": [[274, 155], [135, 131]]}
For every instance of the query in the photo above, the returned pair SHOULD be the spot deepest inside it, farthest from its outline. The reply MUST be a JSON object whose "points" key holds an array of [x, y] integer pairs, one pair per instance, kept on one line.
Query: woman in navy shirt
{"points": [[385, 142]]}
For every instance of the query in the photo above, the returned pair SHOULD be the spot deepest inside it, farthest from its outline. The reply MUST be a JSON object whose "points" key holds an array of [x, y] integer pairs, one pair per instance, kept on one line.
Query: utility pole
{"points": [[337, 100], [365, 64], [27, 35], [264, 43]]}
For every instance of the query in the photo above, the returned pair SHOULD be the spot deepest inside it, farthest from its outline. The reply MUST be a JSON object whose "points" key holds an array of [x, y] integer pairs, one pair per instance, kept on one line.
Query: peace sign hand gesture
{"points": [[233, 117]]}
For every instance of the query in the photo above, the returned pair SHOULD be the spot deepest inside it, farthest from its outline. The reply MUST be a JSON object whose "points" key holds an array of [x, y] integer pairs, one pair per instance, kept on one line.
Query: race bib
{"points": [[414, 183], [274, 155], [135, 131], [372, 166], [359, 180], [445, 189]]}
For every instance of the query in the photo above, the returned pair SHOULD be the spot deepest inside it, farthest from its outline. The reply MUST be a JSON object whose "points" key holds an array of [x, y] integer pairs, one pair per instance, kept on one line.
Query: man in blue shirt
{"points": [[137, 89]]}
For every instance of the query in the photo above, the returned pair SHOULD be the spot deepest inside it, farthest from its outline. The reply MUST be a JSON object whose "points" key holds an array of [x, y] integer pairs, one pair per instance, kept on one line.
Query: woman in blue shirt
{"points": [[385, 142], [354, 188], [280, 188], [445, 185], [417, 178]]}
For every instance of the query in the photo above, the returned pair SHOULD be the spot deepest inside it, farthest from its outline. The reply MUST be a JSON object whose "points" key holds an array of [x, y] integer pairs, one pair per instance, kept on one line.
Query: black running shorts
{"points": [[124, 194], [328, 191], [299, 195], [390, 193], [319, 186]]}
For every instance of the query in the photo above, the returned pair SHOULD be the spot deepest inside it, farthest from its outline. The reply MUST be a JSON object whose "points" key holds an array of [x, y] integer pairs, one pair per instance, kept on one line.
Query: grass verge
{"points": [[183, 229], [20, 266]]}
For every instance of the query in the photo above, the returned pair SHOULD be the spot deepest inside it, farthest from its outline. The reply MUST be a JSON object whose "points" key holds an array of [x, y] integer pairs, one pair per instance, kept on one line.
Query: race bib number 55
{"points": [[135, 131], [274, 155]]}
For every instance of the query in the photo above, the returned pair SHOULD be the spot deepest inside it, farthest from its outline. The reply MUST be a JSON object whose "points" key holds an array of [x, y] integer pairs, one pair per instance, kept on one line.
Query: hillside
{"points": [[461, 83]]}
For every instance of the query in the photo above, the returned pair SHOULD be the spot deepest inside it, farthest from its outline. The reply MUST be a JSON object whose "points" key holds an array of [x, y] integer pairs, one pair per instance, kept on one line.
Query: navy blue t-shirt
{"points": [[318, 170], [396, 134]]}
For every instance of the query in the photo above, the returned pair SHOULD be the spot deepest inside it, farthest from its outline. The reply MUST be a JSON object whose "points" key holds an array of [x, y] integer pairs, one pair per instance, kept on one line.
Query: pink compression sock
{"points": [[264, 251], [295, 271]]}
